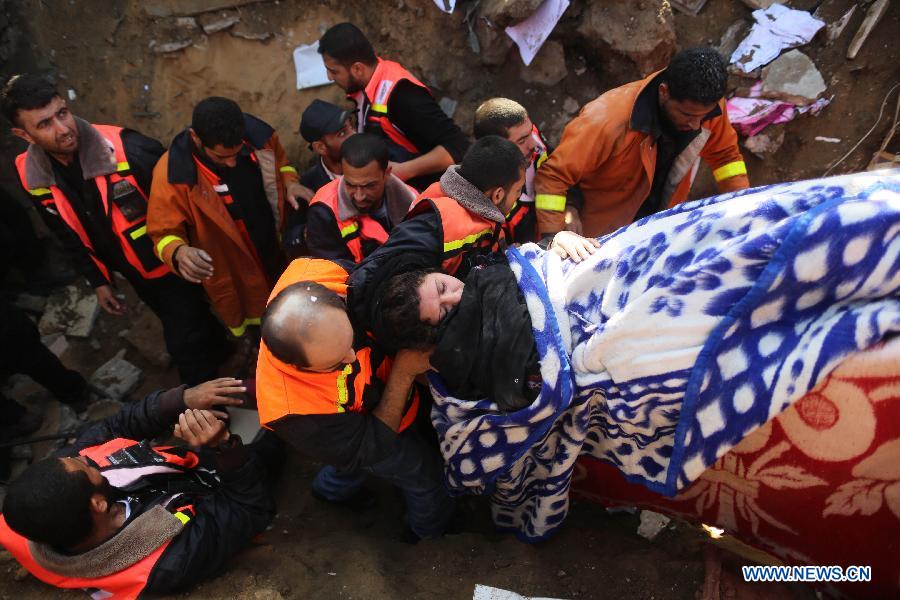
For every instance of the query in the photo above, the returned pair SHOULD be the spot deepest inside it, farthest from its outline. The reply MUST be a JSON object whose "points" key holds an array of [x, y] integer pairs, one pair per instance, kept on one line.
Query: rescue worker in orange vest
{"points": [[509, 119], [217, 205], [91, 184], [325, 127], [327, 391], [391, 102], [635, 150], [352, 216], [451, 224], [119, 517]]}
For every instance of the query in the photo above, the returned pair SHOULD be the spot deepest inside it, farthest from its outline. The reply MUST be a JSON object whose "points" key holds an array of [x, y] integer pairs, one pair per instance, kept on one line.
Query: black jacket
{"points": [[226, 518]]}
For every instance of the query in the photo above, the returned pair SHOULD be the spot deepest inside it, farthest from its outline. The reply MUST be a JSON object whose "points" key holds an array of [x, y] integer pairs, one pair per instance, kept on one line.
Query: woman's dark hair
{"points": [[218, 120], [346, 44], [25, 92], [400, 312], [697, 74], [363, 148], [50, 505]]}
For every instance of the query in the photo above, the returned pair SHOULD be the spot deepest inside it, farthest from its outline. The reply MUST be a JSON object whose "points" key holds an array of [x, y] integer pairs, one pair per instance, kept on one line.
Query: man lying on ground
{"points": [[120, 517], [683, 333]]}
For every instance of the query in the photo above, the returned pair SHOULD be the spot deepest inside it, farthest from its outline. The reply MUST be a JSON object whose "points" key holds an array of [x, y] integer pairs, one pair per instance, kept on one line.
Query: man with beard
{"points": [[121, 518], [391, 102], [635, 150]]}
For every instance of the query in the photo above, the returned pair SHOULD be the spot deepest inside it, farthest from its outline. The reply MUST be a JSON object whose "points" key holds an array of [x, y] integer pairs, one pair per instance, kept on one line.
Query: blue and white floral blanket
{"points": [[682, 334]]}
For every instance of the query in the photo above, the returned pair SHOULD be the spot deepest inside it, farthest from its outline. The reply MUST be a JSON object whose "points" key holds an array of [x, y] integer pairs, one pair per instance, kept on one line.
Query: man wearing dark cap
{"points": [[324, 126]]}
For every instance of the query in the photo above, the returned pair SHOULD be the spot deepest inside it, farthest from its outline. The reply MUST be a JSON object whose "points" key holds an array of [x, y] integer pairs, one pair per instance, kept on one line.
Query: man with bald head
{"points": [[341, 401]]}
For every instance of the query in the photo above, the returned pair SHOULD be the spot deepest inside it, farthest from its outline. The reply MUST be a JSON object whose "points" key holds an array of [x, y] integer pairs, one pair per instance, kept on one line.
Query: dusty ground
{"points": [[101, 50]]}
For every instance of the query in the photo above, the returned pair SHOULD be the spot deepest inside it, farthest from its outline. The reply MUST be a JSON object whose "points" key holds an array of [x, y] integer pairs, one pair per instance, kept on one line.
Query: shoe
{"points": [[362, 499], [28, 424], [455, 526]]}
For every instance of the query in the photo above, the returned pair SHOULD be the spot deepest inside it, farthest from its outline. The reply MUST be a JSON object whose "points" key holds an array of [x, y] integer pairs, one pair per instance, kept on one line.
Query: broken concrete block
{"points": [[169, 47], [215, 22], [651, 524], [757, 4], [186, 22], [448, 105], [765, 143], [647, 37], [729, 41], [30, 303], [507, 12], [570, 105], [71, 310], [548, 67], [117, 377], [834, 31], [689, 7], [145, 335], [873, 16], [493, 43], [56, 343], [792, 77]]}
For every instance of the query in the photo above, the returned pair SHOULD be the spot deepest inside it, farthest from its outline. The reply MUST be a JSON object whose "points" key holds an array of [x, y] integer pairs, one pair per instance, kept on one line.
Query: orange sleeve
{"points": [[723, 156], [166, 218], [584, 147], [288, 172]]}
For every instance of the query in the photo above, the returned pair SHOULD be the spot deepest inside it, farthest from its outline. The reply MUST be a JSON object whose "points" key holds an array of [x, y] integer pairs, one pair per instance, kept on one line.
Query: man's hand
{"points": [[573, 220], [201, 428], [567, 244], [108, 300], [214, 393], [401, 171], [413, 362], [297, 191], [194, 264]]}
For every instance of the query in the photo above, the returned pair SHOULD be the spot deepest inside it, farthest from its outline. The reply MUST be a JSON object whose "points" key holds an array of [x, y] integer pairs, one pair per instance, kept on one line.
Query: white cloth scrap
{"points": [[777, 28], [309, 66], [448, 6], [531, 33]]}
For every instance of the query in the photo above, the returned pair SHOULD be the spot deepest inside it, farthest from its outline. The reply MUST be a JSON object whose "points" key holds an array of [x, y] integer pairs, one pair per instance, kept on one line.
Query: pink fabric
{"points": [[818, 485]]}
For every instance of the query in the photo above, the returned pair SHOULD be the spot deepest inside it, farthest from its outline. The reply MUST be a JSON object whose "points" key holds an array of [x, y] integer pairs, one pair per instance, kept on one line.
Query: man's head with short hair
{"points": [[217, 128], [692, 85], [505, 118], [364, 161], [39, 115], [497, 168], [349, 57], [306, 326], [55, 502]]}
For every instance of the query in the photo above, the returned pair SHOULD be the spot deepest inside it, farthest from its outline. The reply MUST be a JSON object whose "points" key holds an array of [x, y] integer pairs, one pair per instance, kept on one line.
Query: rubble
{"points": [[792, 77], [213, 23], [169, 47], [507, 12], [624, 28], [548, 67], [757, 4], [145, 336], [766, 143], [448, 105], [834, 31], [651, 524], [117, 377], [493, 42], [873, 16], [689, 7], [729, 41], [71, 310], [570, 105], [102, 409], [56, 343]]}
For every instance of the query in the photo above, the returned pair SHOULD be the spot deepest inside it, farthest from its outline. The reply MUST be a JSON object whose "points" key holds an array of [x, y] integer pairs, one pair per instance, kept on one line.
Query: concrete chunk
{"points": [[792, 77], [548, 67], [757, 4], [117, 377], [71, 310], [56, 343], [215, 22], [765, 143], [651, 524]]}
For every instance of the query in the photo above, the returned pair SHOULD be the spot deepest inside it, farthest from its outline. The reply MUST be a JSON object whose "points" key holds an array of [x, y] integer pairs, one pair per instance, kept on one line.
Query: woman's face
{"points": [[438, 294]]}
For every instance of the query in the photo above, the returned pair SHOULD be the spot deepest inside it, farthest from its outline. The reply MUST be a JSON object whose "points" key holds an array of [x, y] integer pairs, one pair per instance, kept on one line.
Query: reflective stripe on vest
{"points": [[378, 92], [282, 389], [463, 231], [732, 169], [354, 230], [132, 233]]}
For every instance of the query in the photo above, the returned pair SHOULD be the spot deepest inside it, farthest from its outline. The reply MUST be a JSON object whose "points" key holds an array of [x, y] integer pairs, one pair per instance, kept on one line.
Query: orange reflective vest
{"points": [[127, 211], [521, 220], [463, 231], [354, 230], [378, 92], [282, 389], [130, 581]]}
